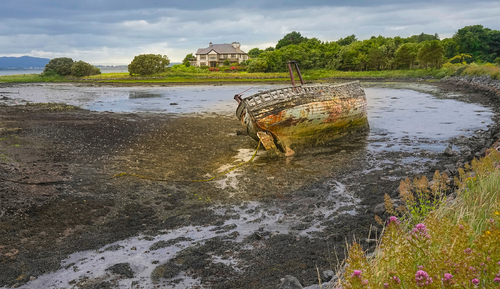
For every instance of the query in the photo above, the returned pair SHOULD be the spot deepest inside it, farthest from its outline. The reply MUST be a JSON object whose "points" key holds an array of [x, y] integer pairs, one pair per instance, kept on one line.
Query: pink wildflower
{"points": [[393, 219], [364, 282], [447, 279], [396, 279], [496, 280], [461, 227], [468, 251], [356, 273], [475, 281], [387, 285], [421, 230], [492, 221], [422, 278]]}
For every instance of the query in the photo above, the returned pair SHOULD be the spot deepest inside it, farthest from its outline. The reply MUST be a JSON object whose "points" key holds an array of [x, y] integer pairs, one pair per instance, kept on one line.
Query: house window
{"points": [[203, 57], [233, 55], [203, 63], [213, 57]]}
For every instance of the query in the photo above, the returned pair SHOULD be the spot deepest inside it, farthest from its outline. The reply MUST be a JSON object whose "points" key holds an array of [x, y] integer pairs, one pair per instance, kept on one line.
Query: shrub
{"points": [[258, 65], [81, 68], [440, 74], [148, 64], [61, 66]]}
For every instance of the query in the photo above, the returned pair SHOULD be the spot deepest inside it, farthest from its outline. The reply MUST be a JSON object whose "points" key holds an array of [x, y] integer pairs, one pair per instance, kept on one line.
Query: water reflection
{"points": [[143, 94]]}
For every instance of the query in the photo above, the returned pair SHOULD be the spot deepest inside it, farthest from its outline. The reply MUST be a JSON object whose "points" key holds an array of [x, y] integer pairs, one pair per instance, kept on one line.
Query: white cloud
{"points": [[135, 23]]}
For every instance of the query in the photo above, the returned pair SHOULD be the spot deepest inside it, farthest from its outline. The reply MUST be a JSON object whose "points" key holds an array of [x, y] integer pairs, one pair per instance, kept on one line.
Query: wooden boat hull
{"points": [[292, 117]]}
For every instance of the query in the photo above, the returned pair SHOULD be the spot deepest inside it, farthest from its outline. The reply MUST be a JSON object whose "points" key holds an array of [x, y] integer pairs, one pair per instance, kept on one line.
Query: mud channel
{"points": [[96, 199]]}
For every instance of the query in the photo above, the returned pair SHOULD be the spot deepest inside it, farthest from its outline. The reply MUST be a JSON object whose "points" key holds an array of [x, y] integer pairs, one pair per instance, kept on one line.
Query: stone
{"points": [[122, 269], [448, 151], [290, 282], [452, 169], [379, 209], [327, 275]]}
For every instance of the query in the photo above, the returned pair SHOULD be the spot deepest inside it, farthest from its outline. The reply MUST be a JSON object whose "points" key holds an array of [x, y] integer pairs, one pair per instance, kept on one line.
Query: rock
{"points": [[167, 271], [379, 209], [290, 282], [122, 269], [449, 151], [397, 202], [113, 248], [327, 275], [452, 169], [372, 254]]}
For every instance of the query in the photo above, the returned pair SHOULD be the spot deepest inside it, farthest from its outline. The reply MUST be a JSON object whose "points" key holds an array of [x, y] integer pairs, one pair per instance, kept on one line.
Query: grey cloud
{"points": [[111, 34]]}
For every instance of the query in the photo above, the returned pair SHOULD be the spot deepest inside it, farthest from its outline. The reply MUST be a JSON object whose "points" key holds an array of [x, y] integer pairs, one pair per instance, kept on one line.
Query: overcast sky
{"points": [[112, 32]]}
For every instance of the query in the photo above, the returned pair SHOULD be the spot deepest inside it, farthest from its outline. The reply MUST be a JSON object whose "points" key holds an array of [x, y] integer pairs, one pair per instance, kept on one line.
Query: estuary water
{"points": [[411, 119]]}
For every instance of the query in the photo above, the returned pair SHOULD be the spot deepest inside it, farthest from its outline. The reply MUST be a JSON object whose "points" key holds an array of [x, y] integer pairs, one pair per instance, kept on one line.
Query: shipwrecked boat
{"points": [[285, 119]]}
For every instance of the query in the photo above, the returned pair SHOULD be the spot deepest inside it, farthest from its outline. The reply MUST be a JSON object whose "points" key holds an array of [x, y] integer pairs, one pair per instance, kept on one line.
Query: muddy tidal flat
{"points": [[105, 188]]}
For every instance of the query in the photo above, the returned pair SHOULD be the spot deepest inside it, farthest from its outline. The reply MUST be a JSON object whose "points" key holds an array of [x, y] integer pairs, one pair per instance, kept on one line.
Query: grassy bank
{"points": [[437, 241], [196, 75]]}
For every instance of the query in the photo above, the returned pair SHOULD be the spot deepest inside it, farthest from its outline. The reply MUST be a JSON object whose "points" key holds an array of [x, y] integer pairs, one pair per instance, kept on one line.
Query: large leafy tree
{"points": [[186, 59], [291, 38], [148, 64], [347, 40], [255, 52], [81, 68], [406, 55], [431, 54], [474, 40], [61, 66]]}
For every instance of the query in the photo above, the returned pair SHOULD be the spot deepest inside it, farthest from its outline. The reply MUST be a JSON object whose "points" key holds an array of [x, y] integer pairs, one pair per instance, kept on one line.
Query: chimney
{"points": [[236, 45], [210, 44]]}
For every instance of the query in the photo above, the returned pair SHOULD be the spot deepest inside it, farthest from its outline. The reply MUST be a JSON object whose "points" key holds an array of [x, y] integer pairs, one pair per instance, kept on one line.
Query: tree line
{"points": [[469, 44]]}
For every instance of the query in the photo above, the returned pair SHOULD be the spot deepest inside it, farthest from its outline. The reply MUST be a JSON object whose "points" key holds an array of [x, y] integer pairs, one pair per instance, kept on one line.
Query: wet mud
{"points": [[130, 186]]}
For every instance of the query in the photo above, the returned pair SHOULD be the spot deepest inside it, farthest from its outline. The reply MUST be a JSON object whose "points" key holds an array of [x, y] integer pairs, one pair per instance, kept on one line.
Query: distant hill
{"points": [[22, 62]]}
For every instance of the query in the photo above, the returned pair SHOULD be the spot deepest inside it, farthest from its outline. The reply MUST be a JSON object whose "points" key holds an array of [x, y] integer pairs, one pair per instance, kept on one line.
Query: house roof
{"points": [[220, 49]]}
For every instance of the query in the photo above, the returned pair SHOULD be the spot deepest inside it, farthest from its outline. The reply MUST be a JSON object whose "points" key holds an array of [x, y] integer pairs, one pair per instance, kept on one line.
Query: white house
{"points": [[215, 55]]}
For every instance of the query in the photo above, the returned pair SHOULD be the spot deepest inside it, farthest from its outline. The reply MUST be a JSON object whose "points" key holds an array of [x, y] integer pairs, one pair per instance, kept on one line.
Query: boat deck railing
{"points": [[276, 95]]}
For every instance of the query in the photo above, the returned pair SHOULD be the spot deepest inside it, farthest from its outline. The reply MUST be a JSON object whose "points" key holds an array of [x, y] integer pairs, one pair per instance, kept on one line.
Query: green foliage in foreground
{"points": [[439, 242]]}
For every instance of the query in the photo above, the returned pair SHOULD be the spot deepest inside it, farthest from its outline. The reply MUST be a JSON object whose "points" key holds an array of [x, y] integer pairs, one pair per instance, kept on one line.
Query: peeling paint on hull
{"points": [[304, 115]]}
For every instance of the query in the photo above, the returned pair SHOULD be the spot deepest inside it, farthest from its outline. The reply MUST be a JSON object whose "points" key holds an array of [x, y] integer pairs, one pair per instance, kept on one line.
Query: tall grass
{"points": [[457, 245], [180, 73], [31, 78]]}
